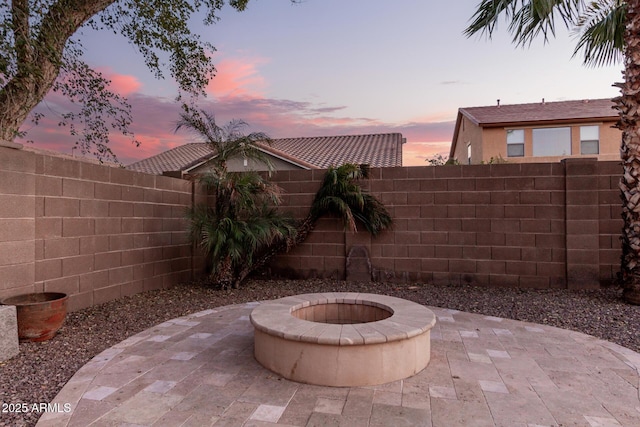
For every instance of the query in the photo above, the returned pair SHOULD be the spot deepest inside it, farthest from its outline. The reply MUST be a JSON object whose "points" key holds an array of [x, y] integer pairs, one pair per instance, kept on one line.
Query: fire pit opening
{"points": [[342, 313]]}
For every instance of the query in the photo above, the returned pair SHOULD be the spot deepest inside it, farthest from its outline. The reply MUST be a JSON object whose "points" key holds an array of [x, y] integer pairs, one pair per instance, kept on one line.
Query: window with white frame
{"points": [[589, 139], [515, 142], [552, 141], [469, 153]]}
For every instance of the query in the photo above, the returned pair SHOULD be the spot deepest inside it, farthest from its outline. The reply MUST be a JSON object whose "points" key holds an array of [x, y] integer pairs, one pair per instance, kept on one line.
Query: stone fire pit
{"points": [[343, 339]]}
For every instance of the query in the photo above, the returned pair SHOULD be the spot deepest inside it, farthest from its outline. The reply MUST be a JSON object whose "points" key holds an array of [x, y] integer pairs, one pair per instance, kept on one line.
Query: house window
{"points": [[552, 141], [515, 142], [589, 140], [469, 153]]}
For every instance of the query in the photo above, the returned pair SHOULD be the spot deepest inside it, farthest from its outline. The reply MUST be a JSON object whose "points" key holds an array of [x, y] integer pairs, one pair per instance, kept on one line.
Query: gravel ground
{"points": [[41, 369]]}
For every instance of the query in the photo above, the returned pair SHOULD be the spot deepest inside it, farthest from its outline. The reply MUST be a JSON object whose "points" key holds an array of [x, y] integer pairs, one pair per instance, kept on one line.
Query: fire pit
{"points": [[343, 339]]}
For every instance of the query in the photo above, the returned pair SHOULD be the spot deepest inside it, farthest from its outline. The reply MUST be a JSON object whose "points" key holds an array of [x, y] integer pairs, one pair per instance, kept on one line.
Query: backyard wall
{"points": [[98, 232], [551, 225], [91, 231]]}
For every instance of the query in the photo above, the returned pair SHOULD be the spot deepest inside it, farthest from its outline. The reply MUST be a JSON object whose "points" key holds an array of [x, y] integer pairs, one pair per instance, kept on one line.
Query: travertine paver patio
{"points": [[199, 370]]}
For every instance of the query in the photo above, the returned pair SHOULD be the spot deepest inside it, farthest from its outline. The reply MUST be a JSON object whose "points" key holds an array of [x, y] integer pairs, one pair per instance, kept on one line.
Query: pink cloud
{"points": [[236, 93], [124, 84], [237, 78]]}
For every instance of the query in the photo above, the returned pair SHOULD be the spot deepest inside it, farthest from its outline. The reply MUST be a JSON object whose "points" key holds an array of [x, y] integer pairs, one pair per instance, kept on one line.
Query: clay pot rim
{"points": [[23, 299]]}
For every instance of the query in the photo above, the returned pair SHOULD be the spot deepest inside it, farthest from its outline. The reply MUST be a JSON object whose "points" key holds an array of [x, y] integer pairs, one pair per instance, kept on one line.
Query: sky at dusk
{"points": [[337, 67]]}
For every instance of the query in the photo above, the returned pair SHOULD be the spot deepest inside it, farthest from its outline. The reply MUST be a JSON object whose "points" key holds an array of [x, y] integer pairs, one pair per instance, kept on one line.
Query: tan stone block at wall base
{"points": [[8, 332], [355, 340]]}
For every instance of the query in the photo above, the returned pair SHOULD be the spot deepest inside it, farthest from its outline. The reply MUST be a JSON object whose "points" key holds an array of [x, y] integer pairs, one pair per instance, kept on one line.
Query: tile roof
{"points": [[286, 156], [500, 115], [378, 150], [178, 158]]}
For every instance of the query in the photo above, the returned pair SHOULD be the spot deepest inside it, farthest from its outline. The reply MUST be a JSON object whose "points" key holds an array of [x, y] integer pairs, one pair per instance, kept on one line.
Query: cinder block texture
{"points": [[18, 206], [8, 332], [528, 225], [70, 223]]}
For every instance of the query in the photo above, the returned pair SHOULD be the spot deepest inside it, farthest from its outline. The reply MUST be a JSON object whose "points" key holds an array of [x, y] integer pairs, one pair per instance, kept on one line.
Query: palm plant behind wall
{"points": [[243, 219], [242, 230], [340, 194]]}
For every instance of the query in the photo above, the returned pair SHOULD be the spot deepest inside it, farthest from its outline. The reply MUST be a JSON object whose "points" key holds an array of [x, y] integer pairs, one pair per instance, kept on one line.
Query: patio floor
{"points": [[199, 370]]}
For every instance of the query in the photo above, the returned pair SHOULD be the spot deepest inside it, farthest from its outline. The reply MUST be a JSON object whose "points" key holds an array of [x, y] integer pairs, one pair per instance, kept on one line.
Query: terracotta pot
{"points": [[40, 315]]}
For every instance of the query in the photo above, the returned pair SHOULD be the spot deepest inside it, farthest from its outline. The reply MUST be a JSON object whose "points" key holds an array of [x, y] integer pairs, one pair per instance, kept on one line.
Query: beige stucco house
{"points": [[538, 132], [376, 150]]}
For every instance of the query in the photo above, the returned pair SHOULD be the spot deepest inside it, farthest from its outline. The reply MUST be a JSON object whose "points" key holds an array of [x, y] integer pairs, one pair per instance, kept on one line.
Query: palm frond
{"points": [[601, 32], [485, 20], [228, 141], [210, 179], [341, 195], [526, 19], [249, 190], [336, 205], [374, 215], [599, 24], [202, 124]]}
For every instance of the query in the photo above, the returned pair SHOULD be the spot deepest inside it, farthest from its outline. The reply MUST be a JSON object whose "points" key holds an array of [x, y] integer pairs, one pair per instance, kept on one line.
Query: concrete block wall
{"points": [[323, 254], [551, 225], [610, 221], [99, 233], [17, 221], [94, 232]]}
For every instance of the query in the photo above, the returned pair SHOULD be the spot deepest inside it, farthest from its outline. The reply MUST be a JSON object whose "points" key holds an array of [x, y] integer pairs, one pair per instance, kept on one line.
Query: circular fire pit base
{"points": [[343, 339]]}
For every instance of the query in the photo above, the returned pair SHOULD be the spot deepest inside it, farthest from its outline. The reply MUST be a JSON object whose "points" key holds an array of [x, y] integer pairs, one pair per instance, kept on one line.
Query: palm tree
{"points": [[243, 220], [608, 30], [241, 224], [340, 195], [242, 230]]}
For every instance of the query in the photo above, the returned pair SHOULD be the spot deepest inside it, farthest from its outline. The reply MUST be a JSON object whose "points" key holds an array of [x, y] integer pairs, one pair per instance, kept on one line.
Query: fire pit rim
{"points": [[408, 319]]}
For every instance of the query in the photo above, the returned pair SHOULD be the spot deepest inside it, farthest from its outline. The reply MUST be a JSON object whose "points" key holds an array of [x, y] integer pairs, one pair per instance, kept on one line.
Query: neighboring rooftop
{"points": [[377, 150], [176, 159], [505, 115]]}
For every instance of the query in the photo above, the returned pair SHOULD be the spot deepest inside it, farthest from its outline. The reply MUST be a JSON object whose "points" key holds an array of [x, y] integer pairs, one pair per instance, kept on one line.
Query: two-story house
{"points": [[539, 132]]}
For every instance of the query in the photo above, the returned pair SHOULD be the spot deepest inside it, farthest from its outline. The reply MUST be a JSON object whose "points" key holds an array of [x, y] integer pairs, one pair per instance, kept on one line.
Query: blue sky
{"points": [[330, 67]]}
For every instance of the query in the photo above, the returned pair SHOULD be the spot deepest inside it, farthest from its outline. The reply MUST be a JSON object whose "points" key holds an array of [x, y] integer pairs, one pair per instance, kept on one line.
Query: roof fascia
{"points": [[456, 131], [209, 158], [306, 166], [469, 116], [533, 123], [199, 163]]}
